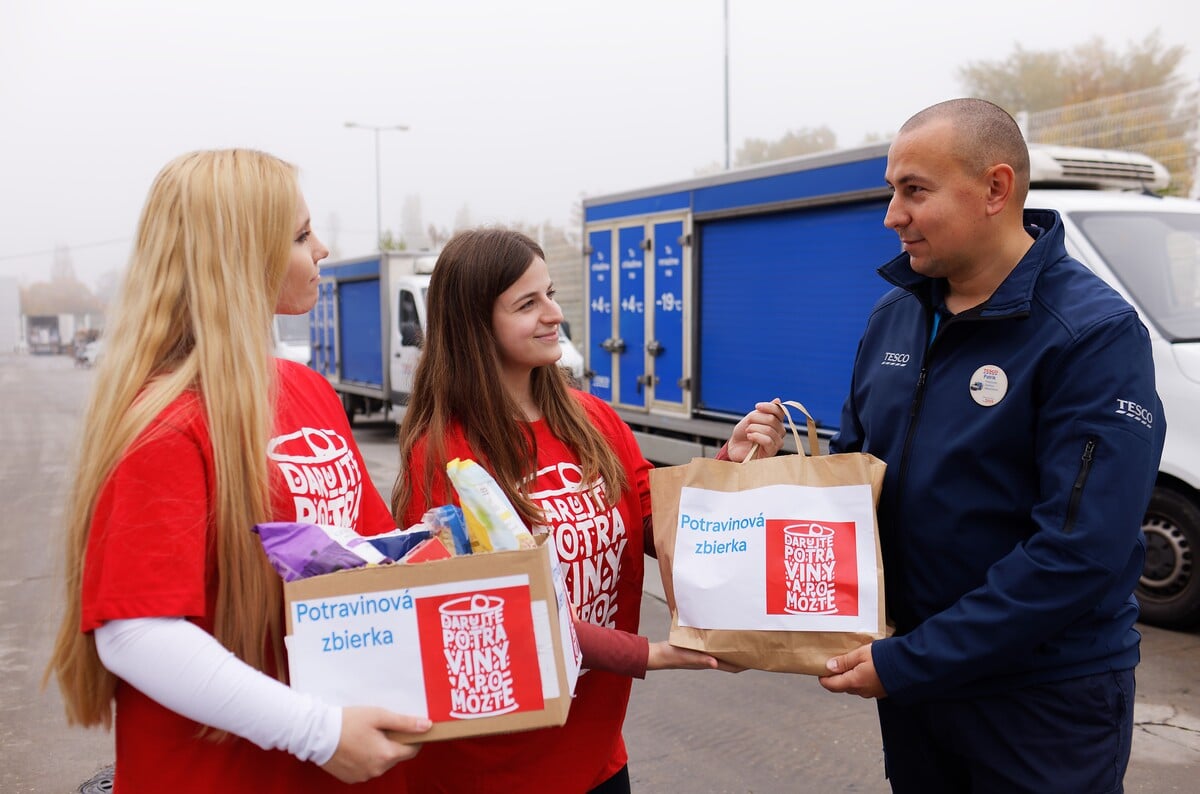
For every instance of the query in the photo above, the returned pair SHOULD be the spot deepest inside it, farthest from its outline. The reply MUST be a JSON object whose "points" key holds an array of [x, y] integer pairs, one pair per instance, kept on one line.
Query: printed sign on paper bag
{"points": [[812, 568], [483, 649], [779, 557]]}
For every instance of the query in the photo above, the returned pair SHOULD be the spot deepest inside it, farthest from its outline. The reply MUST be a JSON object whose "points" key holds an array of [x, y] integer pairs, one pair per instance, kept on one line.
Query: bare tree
{"points": [[462, 218], [62, 296], [63, 267], [107, 286], [1098, 97], [794, 143], [1039, 80], [437, 235], [391, 242], [331, 236], [413, 227]]}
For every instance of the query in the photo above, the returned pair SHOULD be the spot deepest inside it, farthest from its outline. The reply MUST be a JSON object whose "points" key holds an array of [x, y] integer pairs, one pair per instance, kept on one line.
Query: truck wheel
{"points": [[349, 403], [1169, 589]]}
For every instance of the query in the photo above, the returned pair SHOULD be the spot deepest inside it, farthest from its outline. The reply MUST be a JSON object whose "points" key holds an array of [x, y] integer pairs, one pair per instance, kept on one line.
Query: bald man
{"points": [[1011, 393]]}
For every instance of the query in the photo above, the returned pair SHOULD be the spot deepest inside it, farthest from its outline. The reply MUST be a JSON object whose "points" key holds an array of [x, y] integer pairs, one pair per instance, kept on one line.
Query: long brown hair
{"points": [[194, 315], [457, 382]]}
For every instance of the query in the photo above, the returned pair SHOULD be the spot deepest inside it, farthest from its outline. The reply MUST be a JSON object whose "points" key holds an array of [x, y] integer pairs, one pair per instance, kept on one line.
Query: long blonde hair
{"points": [[194, 314]]}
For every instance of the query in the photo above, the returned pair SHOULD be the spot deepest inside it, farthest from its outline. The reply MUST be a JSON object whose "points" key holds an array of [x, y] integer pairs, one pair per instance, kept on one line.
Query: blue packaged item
{"points": [[299, 550], [449, 517], [394, 545]]}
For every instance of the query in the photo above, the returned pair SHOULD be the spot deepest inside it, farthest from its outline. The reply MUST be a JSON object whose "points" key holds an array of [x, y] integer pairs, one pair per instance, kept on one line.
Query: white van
{"points": [[292, 339], [572, 359], [409, 298], [1148, 248]]}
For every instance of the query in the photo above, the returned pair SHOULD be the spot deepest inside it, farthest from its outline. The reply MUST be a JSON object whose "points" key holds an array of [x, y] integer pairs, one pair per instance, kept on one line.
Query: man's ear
{"points": [[1001, 181]]}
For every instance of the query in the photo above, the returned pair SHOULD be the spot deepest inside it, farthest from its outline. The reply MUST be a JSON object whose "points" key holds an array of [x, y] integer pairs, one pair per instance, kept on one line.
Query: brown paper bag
{"points": [[756, 557]]}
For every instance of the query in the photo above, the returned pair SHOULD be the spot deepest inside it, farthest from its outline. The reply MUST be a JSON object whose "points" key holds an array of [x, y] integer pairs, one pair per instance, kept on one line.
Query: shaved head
{"points": [[985, 135]]}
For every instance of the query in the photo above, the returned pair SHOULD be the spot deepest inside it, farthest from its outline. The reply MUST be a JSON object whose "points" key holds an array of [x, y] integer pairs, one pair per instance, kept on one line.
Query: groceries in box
{"points": [[479, 643]]}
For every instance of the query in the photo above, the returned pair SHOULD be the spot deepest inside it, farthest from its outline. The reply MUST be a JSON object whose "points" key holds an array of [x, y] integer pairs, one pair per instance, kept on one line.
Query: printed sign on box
{"points": [[480, 644], [483, 646], [769, 568]]}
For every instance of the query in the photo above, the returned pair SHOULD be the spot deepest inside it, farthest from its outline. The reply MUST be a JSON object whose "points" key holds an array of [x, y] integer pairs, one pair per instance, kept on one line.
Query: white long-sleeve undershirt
{"points": [[185, 669]]}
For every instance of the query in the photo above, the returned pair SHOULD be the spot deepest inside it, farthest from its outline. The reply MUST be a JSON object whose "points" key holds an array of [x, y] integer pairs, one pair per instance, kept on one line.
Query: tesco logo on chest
{"points": [[895, 359]]}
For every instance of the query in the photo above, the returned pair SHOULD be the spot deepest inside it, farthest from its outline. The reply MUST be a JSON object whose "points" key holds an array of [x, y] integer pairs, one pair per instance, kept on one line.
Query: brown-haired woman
{"points": [[488, 387]]}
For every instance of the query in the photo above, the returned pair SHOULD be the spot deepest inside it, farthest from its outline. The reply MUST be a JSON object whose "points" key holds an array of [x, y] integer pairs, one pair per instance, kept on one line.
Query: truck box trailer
{"points": [[11, 334], [706, 295], [367, 325], [42, 334]]}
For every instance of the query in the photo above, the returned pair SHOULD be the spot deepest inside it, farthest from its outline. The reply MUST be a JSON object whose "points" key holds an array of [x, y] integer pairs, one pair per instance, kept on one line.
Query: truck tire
{"points": [[349, 403], [1169, 589]]}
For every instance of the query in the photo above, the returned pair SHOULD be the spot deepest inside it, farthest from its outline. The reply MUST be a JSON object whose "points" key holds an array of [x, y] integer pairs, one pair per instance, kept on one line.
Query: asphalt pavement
{"points": [[686, 731]]}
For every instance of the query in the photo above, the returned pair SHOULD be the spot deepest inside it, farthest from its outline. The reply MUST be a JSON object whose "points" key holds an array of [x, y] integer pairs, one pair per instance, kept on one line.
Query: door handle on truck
{"points": [[613, 345], [645, 380]]}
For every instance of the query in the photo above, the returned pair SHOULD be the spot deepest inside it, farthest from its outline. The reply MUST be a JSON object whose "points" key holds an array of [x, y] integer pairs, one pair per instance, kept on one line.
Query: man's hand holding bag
{"points": [[772, 564]]}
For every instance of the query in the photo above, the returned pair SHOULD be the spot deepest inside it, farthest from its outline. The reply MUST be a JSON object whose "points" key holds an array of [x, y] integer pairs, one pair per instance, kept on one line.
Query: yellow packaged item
{"points": [[490, 517]]}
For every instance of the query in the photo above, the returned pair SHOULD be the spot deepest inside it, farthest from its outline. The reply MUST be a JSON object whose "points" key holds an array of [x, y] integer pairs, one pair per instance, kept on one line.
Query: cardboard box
{"points": [[480, 644]]}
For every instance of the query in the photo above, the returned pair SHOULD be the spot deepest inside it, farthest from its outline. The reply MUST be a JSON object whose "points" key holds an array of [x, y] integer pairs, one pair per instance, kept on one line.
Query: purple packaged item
{"points": [[298, 550]]}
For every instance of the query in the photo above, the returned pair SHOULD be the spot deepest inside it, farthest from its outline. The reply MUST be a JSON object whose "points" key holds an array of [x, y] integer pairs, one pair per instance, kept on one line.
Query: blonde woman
{"points": [[193, 435]]}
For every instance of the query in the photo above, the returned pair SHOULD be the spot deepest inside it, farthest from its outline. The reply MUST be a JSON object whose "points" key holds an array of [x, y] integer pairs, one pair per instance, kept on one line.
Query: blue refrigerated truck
{"points": [[706, 295], [366, 327]]}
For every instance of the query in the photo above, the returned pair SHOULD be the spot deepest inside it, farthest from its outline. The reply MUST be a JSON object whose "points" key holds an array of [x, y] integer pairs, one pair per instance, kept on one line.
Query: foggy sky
{"points": [[516, 108]]}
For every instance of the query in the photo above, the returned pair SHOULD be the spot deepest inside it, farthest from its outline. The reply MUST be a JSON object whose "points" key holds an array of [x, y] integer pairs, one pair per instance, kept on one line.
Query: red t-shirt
{"points": [[603, 561], [150, 554]]}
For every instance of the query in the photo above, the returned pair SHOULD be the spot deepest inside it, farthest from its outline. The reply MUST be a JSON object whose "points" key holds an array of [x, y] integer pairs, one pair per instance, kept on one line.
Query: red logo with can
{"points": [[812, 568], [479, 654]]}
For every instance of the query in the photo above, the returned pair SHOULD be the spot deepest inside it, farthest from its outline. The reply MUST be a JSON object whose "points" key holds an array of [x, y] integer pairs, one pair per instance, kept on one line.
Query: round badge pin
{"points": [[989, 384]]}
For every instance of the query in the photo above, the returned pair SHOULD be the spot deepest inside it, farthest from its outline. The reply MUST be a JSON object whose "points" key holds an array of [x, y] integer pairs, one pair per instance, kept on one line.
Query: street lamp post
{"points": [[726, 85], [378, 178]]}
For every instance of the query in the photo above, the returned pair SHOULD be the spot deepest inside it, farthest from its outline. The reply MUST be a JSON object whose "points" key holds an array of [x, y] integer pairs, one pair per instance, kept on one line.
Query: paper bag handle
{"points": [[814, 446]]}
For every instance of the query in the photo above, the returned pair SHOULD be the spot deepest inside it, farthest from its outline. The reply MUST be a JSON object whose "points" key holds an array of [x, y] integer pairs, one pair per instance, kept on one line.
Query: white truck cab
{"points": [[1148, 248], [292, 338], [366, 330], [409, 293]]}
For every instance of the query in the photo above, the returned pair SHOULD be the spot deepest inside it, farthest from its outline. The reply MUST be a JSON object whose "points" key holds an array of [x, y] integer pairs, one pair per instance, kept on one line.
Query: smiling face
{"points": [[300, 282], [939, 207], [525, 320]]}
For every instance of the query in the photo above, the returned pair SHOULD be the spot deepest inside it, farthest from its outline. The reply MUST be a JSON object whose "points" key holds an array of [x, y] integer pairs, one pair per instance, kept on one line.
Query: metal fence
{"points": [[1161, 122]]}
